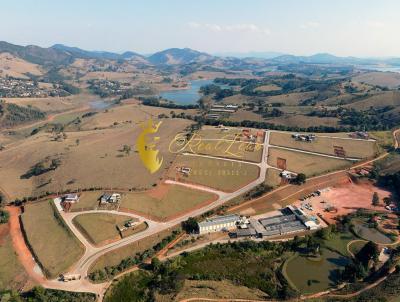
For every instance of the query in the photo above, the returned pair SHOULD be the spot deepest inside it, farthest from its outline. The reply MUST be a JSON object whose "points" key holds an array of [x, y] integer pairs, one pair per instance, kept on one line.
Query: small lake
{"points": [[187, 96], [100, 104], [380, 68]]}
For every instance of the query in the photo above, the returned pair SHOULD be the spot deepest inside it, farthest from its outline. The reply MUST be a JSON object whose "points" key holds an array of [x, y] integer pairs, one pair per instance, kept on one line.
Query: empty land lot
{"points": [[306, 163], [325, 145], [116, 256], [100, 227], [99, 152], [88, 200], [215, 173], [12, 274], [272, 177], [226, 148], [165, 201], [53, 244]]}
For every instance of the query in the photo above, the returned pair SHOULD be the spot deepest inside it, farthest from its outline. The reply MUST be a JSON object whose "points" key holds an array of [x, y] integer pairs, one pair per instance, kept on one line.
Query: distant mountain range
{"points": [[62, 54]]}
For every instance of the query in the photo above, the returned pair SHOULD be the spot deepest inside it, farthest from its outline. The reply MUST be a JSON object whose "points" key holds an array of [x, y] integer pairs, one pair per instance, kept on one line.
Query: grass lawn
{"points": [[99, 227], [54, 245], [12, 274], [173, 200], [87, 201], [114, 257], [384, 138], [311, 276], [356, 246], [218, 174], [308, 164], [339, 241], [325, 145]]}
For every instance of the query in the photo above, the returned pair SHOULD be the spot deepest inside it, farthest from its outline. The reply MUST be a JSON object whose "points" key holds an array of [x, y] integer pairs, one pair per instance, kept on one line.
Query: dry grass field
{"points": [[55, 104], [100, 228], [114, 257], [306, 163], [12, 274], [165, 201], [54, 245], [292, 99], [217, 290], [99, 152], [325, 145], [224, 147], [271, 87], [127, 114], [378, 100], [88, 200], [13, 66], [294, 120], [290, 119], [215, 173], [388, 79], [272, 177], [383, 138]]}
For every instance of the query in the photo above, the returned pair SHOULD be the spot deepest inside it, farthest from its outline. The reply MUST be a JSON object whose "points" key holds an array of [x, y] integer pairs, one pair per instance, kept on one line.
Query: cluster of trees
{"points": [[110, 271], [218, 92], [157, 102], [4, 216], [41, 168], [13, 114], [359, 268], [39, 294], [71, 89], [257, 191], [391, 181]]}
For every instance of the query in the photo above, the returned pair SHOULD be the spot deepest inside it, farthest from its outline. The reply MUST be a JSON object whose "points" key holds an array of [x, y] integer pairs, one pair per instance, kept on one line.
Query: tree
{"points": [[190, 225], [155, 264], [126, 149], [4, 216], [369, 252], [387, 201], [301, 178], [375, 199]]}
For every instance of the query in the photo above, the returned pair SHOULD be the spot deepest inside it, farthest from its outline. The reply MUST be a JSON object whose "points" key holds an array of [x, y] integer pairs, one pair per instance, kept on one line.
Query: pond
{"points": [[311, 276], [100, 104], [187, 96]]}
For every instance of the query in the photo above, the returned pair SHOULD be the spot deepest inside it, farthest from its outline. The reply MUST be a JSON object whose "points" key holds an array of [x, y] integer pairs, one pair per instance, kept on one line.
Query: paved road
{"points": [[92, 253]]}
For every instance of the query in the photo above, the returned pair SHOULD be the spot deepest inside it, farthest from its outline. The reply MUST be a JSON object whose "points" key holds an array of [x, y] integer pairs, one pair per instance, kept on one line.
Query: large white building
{"points": [[219, 223]]}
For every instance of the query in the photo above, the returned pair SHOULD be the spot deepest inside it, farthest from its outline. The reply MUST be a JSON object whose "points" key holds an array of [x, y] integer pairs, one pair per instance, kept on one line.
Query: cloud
{"points": [[245, 27], [309, 24], [375, 24]]}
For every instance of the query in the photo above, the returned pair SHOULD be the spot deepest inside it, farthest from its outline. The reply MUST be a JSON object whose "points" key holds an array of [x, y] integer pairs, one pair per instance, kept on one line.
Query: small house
{"points": [[71, 198], [110, 198]]}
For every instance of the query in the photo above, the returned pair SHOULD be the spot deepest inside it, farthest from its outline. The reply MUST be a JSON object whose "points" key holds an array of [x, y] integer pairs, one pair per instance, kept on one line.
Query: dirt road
{"points": [[24, 254]]}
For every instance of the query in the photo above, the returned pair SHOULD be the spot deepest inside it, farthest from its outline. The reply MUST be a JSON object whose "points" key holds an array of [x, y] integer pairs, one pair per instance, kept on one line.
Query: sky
{"points": [[360, 28]]}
